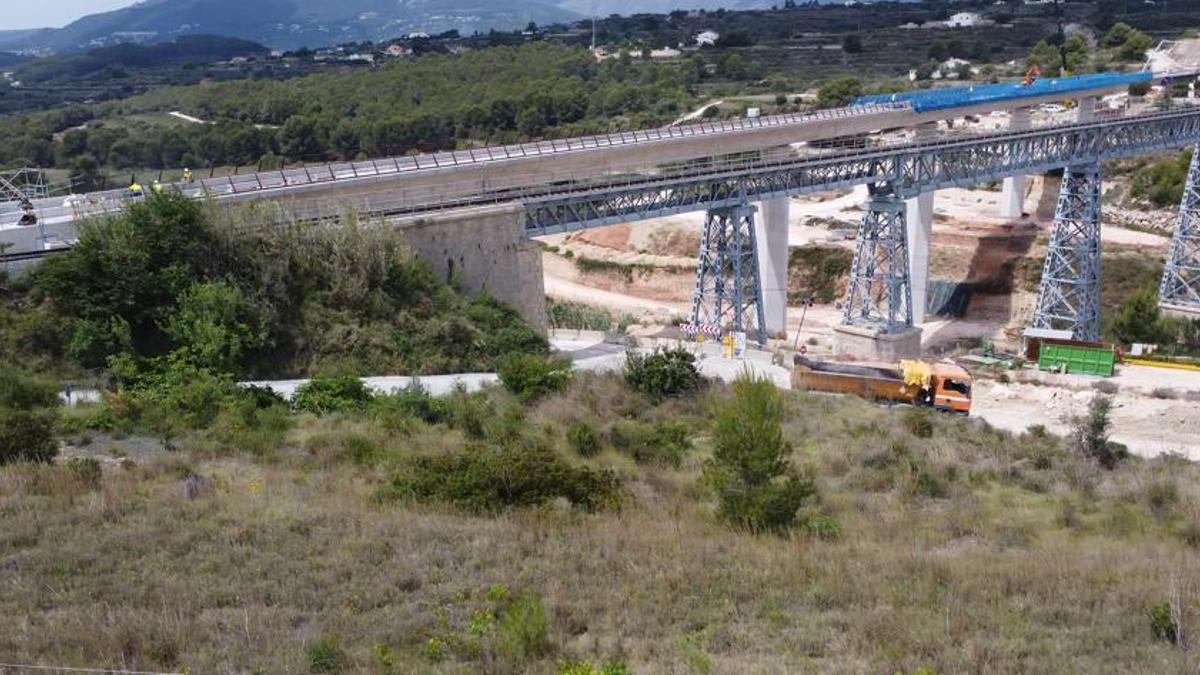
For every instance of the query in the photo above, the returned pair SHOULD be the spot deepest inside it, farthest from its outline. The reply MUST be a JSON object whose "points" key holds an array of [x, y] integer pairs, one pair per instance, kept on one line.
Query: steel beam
{"points": [[911, 169], [1069, 299], [1180, 288]]}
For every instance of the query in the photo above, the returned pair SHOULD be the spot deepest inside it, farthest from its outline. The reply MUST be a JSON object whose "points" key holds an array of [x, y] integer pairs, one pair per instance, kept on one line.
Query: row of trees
{"points": [[436, 102]]}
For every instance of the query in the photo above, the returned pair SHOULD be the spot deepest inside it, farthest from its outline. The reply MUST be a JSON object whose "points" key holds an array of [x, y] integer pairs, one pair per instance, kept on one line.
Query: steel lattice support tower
{"points": [[1070, 295], [727, 278], [880, 295], [1180, 289]]}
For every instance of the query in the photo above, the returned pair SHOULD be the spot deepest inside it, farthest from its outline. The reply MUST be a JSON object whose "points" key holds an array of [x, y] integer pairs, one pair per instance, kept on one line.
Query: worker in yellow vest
{"points": [[187, 175], [156, 186]]}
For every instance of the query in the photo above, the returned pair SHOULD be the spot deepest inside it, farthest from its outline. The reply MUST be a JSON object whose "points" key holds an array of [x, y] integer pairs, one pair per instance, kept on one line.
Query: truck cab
{"points": [[950, 388]]}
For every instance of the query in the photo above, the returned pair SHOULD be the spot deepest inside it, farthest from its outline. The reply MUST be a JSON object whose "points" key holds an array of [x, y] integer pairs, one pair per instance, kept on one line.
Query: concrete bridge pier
{"points": [[771, 235], [919, 230], [1012, 198], [919, 217]]}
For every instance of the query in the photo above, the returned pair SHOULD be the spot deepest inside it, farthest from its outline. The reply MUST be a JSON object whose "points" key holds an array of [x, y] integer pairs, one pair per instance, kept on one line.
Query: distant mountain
{"points": [[626, 7], [285, 24], [183, 50]]}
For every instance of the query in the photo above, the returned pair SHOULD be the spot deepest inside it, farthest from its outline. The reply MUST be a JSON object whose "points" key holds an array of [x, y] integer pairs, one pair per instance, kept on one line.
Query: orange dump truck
{"points": [[943, 386]]}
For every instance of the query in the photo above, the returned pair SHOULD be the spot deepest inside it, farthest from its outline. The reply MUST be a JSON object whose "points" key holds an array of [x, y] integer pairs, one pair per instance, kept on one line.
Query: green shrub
{"points": [[86, 469], [327, 394], [413, 401], [470, 412], [26, 392], [663, 373], [1089, 434], [578, 316], [823, 527], [522, 628], [1162, 623], [662, 443], [583, 439], [919, 422], [532, 376], [486, 479], [327, 656], [756, 486], [608, 667], [244, 426], [27, 436], [1162, 498]]}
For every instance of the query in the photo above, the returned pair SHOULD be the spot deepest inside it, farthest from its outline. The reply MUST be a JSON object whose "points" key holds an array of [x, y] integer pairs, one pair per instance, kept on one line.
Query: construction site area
{"points": [[984, 272]]}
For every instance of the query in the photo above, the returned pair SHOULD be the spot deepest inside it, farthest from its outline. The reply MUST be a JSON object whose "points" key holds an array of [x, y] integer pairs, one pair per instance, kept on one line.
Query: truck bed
{"points": [[869, 382]]}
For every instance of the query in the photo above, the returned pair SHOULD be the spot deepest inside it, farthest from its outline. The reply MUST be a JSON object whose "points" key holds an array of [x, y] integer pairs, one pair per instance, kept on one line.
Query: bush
{"points": [[1162, 623], [757, 488], [663, 373], [662, 443], [26, 392], [522, 628], [532, 376], [823, 527], [608, 667], [919, 422], [27, 436], [413, 401], [577, 316], [1089, 434], [583, 439], [486, 479], [327, 656], [325, 394], [86, 469]]}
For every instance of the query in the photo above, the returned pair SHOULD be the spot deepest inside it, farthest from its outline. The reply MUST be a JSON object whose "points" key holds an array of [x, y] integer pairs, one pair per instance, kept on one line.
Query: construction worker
{"points": [[156, 186], [187, 175], [135, 189]]}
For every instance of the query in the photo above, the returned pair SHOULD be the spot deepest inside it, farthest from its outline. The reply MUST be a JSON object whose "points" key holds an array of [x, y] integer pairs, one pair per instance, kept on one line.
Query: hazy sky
{"points": [[42, 13]]}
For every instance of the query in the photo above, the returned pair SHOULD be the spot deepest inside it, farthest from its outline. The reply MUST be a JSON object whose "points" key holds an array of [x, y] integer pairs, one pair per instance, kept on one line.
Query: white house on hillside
{"points": [[964, 20], [707, 39]]}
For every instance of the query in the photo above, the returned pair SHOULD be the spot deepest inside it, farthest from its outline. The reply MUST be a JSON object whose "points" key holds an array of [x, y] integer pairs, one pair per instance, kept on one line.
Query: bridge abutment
{"points": [[483, 250]]}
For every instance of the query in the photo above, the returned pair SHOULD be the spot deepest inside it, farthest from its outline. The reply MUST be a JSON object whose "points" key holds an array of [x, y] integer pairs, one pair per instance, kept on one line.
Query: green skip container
{"points": [[1077, 359]]}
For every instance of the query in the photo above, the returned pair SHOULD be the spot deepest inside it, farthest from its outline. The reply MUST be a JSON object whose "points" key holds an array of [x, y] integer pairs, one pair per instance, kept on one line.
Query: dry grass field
{"points": [[967, 551]]}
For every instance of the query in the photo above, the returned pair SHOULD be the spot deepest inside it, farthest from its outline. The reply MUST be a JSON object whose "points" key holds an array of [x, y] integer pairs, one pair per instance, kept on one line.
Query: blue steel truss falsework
{"points": [[1070, 294], [1180, 288], [727, 277], [880, 295], [911, 169]]}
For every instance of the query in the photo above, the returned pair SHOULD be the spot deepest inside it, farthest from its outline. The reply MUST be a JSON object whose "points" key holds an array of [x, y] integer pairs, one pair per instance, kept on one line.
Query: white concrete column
{"points": [[771, 232], [1012, 198], [918, 214], [1086, 110], [919, 228]]}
